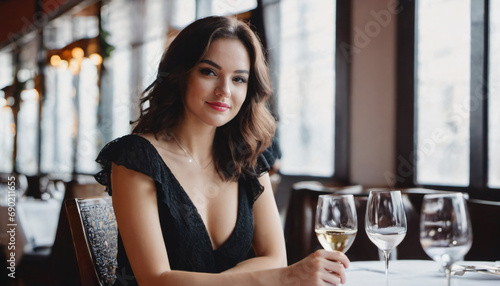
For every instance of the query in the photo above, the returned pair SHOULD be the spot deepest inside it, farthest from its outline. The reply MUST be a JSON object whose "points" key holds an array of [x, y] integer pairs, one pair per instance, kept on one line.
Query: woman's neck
{"points": [[196, 141]]}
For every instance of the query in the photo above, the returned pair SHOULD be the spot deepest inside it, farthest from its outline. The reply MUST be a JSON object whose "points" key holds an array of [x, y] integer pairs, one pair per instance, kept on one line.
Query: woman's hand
{"points": [[319, 268]]}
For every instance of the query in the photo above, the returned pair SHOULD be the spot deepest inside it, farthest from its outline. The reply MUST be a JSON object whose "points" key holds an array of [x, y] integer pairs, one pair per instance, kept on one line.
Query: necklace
{"points": [[188, 154]]}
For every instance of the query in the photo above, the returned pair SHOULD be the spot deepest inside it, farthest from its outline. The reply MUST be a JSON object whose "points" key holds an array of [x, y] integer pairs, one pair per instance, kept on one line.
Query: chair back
{"points": [[485, 222], [410, 247], [94, 230]]}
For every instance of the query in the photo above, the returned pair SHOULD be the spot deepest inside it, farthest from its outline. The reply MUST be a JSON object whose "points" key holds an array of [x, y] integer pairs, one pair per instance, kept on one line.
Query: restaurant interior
{"points": [[368, 95]]}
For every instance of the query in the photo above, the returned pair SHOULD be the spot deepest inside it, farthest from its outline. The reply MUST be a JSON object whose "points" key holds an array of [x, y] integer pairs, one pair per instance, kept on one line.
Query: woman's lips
{"points": [[219, 106]]}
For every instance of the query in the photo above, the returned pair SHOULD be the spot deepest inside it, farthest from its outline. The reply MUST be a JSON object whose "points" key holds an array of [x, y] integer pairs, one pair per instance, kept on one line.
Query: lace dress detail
{"points": [[186, 238]]}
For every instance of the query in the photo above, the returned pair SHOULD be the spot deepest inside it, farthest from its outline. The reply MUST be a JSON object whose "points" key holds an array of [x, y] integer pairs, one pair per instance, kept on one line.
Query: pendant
{"points": [[190, 160]]}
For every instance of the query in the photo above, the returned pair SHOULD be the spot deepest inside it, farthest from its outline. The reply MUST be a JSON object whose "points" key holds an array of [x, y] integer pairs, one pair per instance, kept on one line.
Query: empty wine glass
{"points": [[445, 229], [385, 222], [336, 222]]}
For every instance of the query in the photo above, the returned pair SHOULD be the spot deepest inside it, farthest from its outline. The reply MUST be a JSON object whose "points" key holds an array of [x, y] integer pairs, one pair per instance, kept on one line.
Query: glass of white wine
{"points": [[385, 222], [336, 222], [445, 229]]}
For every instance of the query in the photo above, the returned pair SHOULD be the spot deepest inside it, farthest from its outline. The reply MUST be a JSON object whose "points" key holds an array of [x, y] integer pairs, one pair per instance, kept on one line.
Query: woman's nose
{"points": [[223, 89]]}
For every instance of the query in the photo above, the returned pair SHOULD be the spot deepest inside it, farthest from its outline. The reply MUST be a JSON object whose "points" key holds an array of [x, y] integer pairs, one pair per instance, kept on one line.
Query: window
{"points": [[306, 87], [494, 98], [58, 120], [7, 127], [448, 94], [28, 100], [310, 81], [69, 131], [7, 131], [443, 92], [27, 137]]}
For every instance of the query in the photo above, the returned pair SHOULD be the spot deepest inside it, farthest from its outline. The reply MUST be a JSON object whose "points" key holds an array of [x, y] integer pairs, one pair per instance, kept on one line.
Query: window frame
{"points": [[406, 97]]}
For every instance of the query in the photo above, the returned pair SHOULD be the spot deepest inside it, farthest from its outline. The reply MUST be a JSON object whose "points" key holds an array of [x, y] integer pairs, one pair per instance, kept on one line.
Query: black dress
{"points": [[186, 237]]}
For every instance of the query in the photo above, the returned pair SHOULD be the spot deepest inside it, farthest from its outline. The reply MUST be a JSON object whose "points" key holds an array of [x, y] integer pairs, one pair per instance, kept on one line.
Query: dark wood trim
{"points": [[405, 93], [478, 100], [43, 19], [342, 93]]}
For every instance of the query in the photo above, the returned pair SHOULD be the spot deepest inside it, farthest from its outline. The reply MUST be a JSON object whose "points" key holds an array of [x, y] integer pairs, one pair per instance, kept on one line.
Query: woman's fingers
{"points": [[337, 256], [334, 264], [336, 269], [320, 268]]}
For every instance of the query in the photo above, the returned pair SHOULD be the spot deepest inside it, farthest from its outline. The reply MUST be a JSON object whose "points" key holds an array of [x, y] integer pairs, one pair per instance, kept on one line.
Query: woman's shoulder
{"points": [[127, 145], [130, 139], [132, 151]]}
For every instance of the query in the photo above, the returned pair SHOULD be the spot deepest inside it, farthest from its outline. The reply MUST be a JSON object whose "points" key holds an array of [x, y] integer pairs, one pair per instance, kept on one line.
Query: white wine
{"points": [[336, 239]]}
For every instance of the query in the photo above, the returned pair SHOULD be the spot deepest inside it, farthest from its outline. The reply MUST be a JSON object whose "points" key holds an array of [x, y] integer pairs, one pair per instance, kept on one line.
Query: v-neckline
{"points": [[193, 206]]}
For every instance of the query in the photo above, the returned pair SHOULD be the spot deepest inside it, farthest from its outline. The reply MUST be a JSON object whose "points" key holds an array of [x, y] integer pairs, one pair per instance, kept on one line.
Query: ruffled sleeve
{"points": [[255, 189], [263, 165], [133, 152], [273, 152]]}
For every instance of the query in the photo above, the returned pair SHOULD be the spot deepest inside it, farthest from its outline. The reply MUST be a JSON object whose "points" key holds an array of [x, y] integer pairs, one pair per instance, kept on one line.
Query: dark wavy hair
{"points": [[237, 144]]}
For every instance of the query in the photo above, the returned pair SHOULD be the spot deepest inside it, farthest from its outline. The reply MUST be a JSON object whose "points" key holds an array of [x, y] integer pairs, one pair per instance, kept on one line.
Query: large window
{"points": [[448, 96], [443, 91], [306, 86]]}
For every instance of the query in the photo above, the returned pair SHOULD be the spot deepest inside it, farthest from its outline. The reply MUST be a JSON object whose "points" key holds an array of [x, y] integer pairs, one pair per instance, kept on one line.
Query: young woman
{"points": [[190, 187]]}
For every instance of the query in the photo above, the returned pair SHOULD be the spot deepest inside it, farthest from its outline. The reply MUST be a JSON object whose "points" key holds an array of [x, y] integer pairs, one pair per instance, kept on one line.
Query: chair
{"points": [[362, 248], [300, 238], [485, 222], [37, 268], [94, 230]]}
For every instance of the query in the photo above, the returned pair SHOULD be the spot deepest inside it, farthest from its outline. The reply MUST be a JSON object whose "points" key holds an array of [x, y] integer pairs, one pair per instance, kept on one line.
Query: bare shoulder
{"points": [[160, 142], [150, 137]]}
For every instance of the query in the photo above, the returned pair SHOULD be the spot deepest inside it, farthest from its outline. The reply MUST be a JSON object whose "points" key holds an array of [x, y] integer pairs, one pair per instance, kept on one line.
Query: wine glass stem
{"points": [[387, 254], [447, 270]]}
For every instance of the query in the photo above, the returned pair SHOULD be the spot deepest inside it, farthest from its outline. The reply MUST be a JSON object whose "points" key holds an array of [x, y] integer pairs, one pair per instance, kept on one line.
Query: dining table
{"points": [[422, 273], [34, 225]]}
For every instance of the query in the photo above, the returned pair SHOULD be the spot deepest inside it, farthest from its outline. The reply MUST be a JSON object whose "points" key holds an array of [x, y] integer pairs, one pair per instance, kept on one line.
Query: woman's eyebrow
{"points": [[219, 67]]}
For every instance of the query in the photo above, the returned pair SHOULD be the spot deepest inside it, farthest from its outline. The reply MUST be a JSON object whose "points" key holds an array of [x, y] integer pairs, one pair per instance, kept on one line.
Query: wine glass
{"points": [[385, 222], [336, 222], [445, 229]]}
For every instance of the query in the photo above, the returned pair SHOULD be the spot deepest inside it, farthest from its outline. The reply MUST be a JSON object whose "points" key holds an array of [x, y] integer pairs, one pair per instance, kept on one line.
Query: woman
{"points": [[190, 191]]}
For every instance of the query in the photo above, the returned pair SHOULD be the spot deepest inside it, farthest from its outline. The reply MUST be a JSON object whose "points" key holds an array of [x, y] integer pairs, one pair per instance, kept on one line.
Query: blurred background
{"points": [[376, 93]]}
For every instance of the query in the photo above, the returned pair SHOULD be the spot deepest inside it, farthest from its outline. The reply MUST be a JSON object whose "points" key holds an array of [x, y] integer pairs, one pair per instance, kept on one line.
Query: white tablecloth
{"points": [[35, 225], [414, 273]]}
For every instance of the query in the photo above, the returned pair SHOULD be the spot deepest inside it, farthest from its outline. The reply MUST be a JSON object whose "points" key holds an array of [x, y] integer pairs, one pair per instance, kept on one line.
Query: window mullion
{"points": [[478, 103], [342, 106], [406, 90]]}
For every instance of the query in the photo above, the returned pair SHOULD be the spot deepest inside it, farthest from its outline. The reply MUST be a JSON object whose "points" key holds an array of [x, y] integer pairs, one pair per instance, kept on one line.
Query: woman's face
{"points": [[217, 85]]}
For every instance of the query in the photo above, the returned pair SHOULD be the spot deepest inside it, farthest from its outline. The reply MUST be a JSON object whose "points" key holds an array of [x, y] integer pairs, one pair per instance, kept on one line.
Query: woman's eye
{"points": [[240, 79], [207, 72]]}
